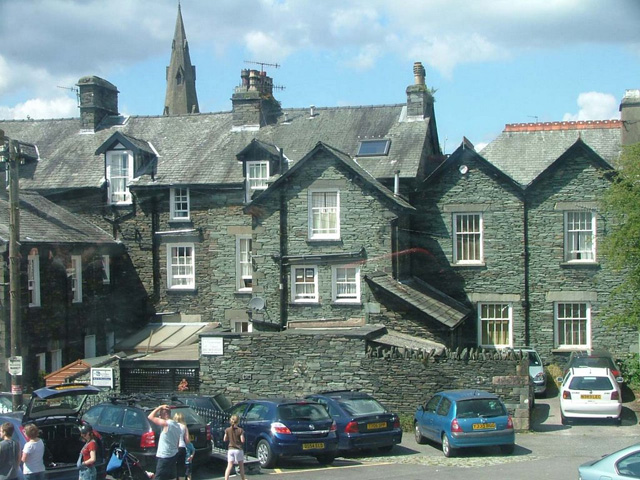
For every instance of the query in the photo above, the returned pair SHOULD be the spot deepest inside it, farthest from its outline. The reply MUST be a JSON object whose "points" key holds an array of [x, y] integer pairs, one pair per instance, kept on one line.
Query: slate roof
{"points": [[348, 162], [42, 221], [202, 148], [424, 297], [524, 151]]}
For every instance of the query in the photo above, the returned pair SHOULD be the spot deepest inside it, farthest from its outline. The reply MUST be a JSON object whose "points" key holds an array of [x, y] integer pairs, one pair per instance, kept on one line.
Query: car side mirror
{"points": [[619, 379], [559, 379]]}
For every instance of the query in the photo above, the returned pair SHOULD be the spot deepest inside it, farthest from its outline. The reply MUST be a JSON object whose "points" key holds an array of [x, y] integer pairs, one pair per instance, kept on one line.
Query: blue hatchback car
{"points": [[465, 418], [362, 421], [275, 428]]}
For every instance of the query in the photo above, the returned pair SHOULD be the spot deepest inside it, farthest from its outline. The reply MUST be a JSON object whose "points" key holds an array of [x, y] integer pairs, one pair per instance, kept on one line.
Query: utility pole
{"points": [[15, 361]]}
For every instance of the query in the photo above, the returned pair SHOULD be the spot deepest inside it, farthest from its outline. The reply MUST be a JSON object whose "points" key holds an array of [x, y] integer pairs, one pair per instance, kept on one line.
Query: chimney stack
{"points": [[98, 99], [419, 99], [630, 116], [253, 102]]}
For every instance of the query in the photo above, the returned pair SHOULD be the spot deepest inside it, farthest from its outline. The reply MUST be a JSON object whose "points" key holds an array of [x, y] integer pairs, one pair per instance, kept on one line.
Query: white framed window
{"points": [[33, 278], [304, 284], [345, 283], [179, 204], [467, 238], [257, 176], [244, 267], [41, 360], [324, 215], [89, 346], [241, 326], [56, 360], [580, 236], [572, 325], [106, 269], [119, 176], [181, 266], [494, 324], [76, 278]]}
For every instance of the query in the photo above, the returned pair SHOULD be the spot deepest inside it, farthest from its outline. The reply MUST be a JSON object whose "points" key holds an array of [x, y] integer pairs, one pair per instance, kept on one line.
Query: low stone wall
{"points": [[296, 363]]}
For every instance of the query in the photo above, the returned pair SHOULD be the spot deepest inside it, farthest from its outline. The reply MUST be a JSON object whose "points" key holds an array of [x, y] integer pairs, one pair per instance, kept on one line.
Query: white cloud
{"points": [[61, 107], [594, 106]]}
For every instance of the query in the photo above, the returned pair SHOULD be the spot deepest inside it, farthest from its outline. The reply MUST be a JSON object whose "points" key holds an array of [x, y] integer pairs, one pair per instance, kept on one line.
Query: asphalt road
{"points": [[550, 451]]}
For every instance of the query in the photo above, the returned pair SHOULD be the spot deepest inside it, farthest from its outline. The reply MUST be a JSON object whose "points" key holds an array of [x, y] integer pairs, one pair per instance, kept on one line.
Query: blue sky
{"points": [[491, 62]]}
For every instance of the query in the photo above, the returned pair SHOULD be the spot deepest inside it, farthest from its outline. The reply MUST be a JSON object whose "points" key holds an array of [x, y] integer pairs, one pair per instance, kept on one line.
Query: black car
{"points": [[595, 358], [55, 410], [124, 419], [362, 422]]}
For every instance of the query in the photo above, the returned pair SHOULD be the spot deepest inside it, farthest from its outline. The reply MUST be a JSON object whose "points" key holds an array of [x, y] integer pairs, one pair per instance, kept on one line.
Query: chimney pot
{"points": [[419, 73]]}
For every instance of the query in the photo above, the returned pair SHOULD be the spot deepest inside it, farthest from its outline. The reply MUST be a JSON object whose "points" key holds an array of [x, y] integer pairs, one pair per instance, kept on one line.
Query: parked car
{"points": [[124, 419], [213, 409], [590, 393], [362, 422], [621, 465], [277, 428], [594, 358], [6, 402], [55, 410], [465, 418], [536, 370]]}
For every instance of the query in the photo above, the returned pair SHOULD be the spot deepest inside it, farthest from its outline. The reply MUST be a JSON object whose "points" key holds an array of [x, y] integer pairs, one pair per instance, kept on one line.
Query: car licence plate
{"points": [[312, 446], [374, 426], [484, 426], [590, 397]]}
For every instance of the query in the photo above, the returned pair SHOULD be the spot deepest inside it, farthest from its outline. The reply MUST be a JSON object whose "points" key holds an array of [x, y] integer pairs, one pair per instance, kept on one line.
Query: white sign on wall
{"points": [[211, 346], [102, 377]]}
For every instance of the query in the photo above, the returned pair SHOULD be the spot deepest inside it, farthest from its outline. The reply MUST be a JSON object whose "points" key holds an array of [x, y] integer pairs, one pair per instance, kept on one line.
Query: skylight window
{"points": [[369, 148]]}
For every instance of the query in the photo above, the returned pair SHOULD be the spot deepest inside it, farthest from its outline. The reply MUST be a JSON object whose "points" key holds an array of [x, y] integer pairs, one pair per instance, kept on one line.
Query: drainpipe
{"points": [[283, 252], [526, 303]]}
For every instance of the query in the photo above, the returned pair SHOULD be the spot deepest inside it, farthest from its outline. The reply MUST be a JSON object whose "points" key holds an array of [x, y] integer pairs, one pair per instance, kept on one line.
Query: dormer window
{"points": [[371, 148], [257, 176], [119, 176]]}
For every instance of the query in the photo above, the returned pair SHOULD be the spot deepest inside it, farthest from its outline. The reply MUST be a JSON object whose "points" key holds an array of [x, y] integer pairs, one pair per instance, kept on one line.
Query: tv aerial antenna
{"points": [[265, 64], [73, 89]]}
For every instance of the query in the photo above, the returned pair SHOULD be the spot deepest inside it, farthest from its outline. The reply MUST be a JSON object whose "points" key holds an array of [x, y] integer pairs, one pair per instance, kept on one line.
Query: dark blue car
{"points": [[362, 421], [277, 428], [465, 418]]}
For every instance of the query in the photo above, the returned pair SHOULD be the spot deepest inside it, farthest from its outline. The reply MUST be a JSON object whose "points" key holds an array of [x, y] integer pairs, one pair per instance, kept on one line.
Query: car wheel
{"points": [[386, 448], [326, 459], [419, 437], [507, 449], [265, 455], [447, 449]]}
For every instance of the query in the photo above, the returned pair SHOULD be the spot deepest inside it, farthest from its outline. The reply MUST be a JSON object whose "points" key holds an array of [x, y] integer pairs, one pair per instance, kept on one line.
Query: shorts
{"points": [[166, 468], [235, 455]]}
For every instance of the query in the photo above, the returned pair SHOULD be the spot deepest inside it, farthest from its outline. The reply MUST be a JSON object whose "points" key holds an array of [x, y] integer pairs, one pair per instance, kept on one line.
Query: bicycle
{"points": [[124, 466]]}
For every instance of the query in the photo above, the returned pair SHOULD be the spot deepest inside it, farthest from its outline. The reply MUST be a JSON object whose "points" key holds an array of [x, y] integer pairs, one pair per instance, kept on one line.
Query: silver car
{"points": [[623, 464], [536, 370]]}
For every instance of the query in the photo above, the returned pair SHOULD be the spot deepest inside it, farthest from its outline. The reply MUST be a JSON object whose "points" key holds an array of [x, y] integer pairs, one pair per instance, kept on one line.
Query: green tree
{"points": [[621, 244]]}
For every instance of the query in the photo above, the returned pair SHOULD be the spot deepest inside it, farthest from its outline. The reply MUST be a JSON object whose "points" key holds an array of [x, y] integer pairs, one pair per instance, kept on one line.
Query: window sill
{"points": [[325, 240], [469, 265], [243, 292], [352, 303], [180, 221], [580, 265], [304, 304], [182, 290], [577, 348]]}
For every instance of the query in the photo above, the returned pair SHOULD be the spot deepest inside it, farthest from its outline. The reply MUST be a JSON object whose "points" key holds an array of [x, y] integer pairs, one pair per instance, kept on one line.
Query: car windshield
{"points": [[359, 406], [303, 411], [190, 417], [58, 404], [534, 359], [480, 407], [590, 383]]}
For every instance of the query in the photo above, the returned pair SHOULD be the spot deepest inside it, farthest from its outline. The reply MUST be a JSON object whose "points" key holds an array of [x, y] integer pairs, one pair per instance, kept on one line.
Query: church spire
{"points": [[181, 94]]}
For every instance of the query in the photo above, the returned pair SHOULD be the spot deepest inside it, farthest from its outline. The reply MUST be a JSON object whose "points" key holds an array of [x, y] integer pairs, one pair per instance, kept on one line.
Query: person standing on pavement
{"points": [[167, 451], [88, 454], [235, 455], [9, 453], [182, 445], [33, 454]]}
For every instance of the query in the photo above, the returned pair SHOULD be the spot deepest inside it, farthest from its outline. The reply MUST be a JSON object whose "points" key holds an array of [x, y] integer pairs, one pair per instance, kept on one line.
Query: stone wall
{"points": [[296, 363]]}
